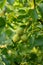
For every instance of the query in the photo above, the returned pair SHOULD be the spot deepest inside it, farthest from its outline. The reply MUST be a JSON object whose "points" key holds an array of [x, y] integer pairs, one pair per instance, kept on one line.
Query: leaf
{"points": [[39, 41], [10, 25], [5, 60], [40, 8], [38, 1], [22, 11], [2, 22], [31, 39], [4, 39], [2, 3], [8, 9], [14, 19], [10, 1], [33, 14], [33, 57], [40, 26], [10, 33], [21, 17], [2, 63]]}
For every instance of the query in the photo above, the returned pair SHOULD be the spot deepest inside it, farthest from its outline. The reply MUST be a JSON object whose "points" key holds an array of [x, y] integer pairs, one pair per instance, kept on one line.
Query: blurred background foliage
{"points": [[21, 32]]}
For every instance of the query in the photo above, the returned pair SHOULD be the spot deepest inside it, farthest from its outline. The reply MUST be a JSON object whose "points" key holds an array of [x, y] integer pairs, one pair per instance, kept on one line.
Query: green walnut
{"points": [[19, 31], [24, 63], [16, 38], [24, 38]]}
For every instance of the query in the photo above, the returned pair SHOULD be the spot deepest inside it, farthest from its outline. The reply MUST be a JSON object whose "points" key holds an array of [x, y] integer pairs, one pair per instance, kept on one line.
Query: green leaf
{"points": [[33, 14], [22, 11], [39, 41], [14, 19], [10, 25], [21, 17], [38, 1], [17, 18], [2, 22], [10, 1], [2, 3], [8, 10], [10, 33], [4, 39], [32, 38], [40, 8], [2, 63], [33, 57]]}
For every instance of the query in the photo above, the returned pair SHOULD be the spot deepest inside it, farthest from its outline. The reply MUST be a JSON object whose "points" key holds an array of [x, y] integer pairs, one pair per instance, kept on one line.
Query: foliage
{"points": [[21, 32]]}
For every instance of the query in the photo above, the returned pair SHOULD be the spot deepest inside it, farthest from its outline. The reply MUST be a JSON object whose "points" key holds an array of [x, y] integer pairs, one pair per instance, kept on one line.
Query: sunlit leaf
{"points": [[2, 3]]}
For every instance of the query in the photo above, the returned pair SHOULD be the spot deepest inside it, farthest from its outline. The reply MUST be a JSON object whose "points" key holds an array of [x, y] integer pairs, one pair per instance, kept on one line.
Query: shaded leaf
{"points": [[39, 41], [2, 22], [10, 1], [33, 14], [40, 8], [22, 11]]}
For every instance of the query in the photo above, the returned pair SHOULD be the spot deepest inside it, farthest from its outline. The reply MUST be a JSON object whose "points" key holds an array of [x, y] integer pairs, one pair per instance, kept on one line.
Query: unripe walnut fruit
{"points": [[19, 31], [16, 38], [24, 38]]}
